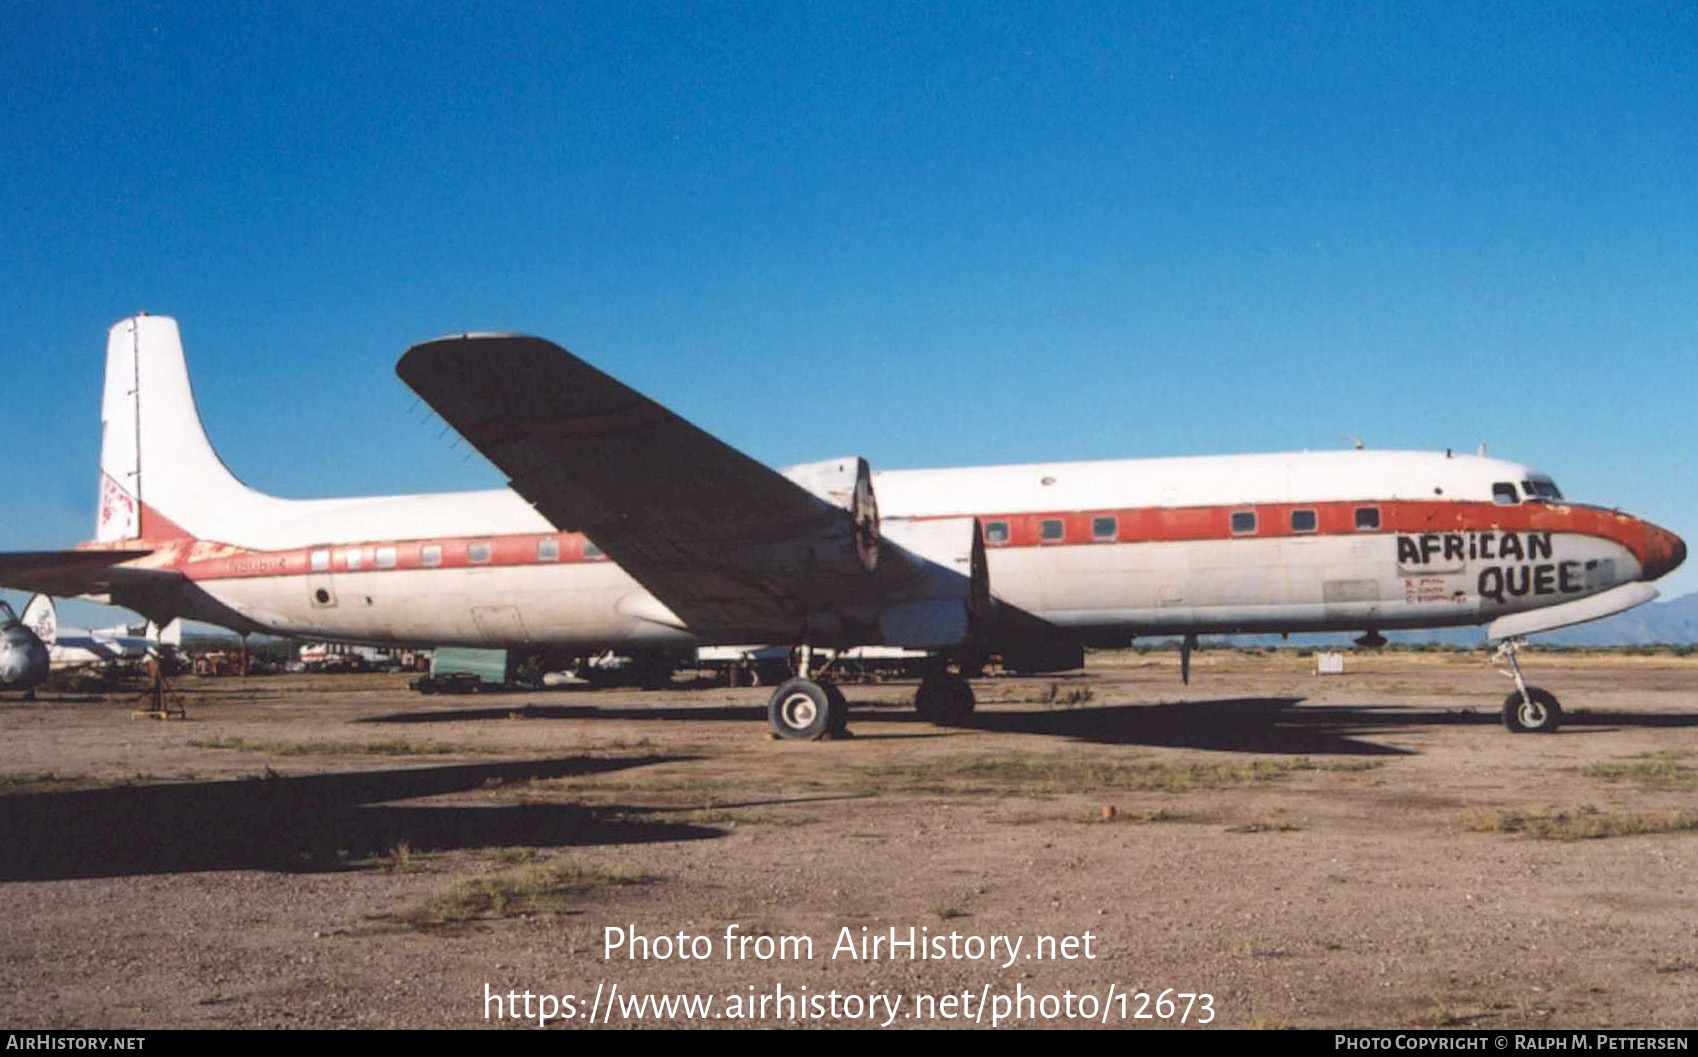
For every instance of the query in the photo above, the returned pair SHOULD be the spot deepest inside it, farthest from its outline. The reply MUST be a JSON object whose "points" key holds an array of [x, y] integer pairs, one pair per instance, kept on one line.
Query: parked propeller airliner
{"points": [[94, 647], [625, 527], [23, 656]]}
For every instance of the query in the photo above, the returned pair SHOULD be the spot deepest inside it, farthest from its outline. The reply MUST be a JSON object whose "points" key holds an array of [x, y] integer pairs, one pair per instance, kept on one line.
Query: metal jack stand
{"points": [[160, 700]]}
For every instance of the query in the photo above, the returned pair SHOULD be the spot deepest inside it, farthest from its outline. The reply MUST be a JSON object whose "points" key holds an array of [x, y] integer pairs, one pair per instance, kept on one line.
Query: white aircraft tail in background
{"points": [[81, 647]]}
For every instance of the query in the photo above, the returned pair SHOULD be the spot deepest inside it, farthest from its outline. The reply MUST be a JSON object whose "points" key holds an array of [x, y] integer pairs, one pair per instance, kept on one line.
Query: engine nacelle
{"points": [[953, 603], [847, 483]]}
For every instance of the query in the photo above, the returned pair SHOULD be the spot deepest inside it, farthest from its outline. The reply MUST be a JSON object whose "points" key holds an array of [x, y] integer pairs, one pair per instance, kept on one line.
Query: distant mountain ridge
{"points": [[1673, 623]]}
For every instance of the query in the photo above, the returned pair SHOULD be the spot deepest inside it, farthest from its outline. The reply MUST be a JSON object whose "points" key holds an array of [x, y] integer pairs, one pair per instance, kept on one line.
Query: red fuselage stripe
{"points": [[1132, 525]]}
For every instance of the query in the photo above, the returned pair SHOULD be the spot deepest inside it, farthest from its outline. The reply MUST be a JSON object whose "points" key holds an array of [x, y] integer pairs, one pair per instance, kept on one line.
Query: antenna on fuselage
{"points": [[1355, 441]]}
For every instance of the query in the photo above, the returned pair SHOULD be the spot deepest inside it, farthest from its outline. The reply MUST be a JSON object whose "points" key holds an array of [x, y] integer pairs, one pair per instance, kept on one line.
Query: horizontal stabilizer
{"points": [[1595, 607], [65, 573]]}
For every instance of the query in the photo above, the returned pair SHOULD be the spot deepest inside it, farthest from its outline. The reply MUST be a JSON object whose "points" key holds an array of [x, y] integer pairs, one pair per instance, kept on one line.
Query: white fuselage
{"points": [[1339, 540]]}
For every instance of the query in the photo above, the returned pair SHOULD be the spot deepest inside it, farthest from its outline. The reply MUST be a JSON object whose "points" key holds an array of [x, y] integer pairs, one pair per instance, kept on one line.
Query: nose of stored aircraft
{"points": [[1664, 551]]}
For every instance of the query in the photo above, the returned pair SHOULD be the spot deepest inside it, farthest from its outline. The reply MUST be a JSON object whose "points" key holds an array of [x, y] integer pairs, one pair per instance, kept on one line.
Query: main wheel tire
{"points": [[946, 700], [653, 673], [1538, 714], [839, 719], [803, 710]]}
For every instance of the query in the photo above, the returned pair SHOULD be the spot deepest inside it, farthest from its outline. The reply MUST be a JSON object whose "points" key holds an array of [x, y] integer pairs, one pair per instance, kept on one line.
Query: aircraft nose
{"points": [[1664, 551]]}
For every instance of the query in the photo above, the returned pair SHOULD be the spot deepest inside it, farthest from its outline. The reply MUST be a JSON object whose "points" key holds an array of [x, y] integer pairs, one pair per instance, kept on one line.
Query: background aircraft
{"points": [[23, 656], [84, 647]]}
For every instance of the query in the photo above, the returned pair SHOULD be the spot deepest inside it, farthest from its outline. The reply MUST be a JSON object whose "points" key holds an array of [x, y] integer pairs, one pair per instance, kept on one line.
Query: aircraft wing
{"points": [[725, 543], [73, 572]]}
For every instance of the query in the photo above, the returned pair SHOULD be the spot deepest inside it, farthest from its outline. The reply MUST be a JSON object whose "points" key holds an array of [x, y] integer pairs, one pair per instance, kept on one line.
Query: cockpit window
{"points": [[1539, 486], [1504, 492], [7, 617]]}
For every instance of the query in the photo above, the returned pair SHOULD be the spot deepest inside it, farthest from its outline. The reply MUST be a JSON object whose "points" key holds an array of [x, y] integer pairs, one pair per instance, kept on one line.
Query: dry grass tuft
{"points": [[535, 889], [1584, 823], [1039, 773], [336, 748], [1657, 770]]}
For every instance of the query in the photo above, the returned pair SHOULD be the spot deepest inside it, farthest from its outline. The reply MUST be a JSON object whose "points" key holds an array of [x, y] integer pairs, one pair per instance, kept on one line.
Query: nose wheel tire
{"points": [[1538, 713], [803, 710]]}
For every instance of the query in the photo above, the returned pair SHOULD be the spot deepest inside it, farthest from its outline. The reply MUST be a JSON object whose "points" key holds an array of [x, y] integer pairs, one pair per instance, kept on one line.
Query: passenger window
{"points": [[1243, 522], [592, 551], [320, 561], [1503, 493], [477, 553], [1051, 530], [1303, 521], [1367, 518], [430, 554], [386, 557], [351, 557], [996, 532], [548, 549], [1105, 528]]}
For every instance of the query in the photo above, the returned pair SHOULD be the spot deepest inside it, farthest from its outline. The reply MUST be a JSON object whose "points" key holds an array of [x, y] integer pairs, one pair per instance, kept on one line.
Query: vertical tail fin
{"points": [[42, 617], [159, 477]]}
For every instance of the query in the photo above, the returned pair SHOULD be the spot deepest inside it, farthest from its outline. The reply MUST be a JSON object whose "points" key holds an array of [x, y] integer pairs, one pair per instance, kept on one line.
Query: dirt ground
{"points": [[1369, 849]]}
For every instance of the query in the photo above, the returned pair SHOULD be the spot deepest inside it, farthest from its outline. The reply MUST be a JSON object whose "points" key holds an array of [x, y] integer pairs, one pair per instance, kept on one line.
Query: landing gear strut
{"points": [[801, 709], [1529, 709]]}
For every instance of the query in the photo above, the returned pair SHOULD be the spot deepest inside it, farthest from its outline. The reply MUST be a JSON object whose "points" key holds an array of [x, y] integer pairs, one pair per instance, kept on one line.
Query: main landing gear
{"points": [[807, 708], [945, 698], [802, 709], [1528, 709]]}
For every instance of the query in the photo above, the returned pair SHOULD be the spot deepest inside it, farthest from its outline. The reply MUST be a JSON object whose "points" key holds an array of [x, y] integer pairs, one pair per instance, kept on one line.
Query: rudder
{"points": [[159, 476]]}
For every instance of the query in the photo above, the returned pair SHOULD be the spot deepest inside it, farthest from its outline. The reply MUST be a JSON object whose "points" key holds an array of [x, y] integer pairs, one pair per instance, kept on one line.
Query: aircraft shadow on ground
{"points": [[1243, 724], [740, 713], [1275, 725], [1605, 719], [1246, 724], [309, 823]]}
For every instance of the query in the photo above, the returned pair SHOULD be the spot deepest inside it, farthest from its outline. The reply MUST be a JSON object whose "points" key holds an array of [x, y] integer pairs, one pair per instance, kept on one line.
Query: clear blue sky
{"points": [[928, 234]]}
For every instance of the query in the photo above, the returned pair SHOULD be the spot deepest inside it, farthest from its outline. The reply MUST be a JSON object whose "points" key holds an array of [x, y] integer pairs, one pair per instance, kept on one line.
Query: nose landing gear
{"points": [[1528, 709]]}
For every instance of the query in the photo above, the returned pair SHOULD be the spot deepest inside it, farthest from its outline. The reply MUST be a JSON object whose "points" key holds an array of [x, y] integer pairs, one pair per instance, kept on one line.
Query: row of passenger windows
{"points": [[478, 552], [1366, 518], [1106, 528]]}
